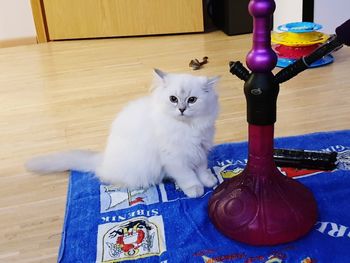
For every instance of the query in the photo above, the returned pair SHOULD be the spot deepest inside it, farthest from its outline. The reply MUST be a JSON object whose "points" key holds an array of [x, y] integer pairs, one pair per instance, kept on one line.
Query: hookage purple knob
{"points": [[261, 58]]}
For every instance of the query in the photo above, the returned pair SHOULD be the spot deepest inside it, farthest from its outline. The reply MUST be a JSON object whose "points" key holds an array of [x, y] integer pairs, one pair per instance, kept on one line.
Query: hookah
{"points": [[261, 206]]}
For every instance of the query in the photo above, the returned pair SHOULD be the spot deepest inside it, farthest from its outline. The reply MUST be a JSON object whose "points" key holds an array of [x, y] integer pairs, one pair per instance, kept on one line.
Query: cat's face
{"points": [[184, 96]]}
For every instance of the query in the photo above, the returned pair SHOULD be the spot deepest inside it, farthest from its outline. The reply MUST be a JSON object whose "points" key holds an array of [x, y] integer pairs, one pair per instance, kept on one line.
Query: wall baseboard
{"points": [[18, 42]]}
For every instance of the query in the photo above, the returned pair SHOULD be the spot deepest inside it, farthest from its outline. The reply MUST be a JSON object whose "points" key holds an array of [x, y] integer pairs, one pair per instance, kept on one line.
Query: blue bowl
{"points": [[284, 62], [299, 27]]}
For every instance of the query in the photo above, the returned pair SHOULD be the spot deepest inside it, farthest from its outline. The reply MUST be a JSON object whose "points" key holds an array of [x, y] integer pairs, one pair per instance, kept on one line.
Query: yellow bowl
{"points": [[298, 39]]}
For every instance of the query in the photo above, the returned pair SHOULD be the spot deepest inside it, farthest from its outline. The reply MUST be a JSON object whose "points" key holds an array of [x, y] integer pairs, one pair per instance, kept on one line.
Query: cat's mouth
{"points": [[182, 117]]}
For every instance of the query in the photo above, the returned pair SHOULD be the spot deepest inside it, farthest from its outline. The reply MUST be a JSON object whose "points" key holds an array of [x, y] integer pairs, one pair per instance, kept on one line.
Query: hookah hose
{"points": [[334, 43]]}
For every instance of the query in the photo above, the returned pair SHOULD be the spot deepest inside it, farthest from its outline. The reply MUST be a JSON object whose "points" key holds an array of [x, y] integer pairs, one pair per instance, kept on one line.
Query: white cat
{"points": [[166, 134]]}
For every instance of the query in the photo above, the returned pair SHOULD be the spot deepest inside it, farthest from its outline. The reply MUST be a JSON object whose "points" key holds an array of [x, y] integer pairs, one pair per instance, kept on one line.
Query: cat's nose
{"points": [[182, 110]]}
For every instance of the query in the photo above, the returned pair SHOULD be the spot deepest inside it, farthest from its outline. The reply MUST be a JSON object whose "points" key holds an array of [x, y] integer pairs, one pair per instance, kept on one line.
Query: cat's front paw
{"points": [[194, 191], [208, 179]]}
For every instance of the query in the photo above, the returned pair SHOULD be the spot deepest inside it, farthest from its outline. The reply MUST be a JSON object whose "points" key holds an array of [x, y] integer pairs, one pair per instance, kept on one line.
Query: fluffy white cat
{"points": [[166, 134]]}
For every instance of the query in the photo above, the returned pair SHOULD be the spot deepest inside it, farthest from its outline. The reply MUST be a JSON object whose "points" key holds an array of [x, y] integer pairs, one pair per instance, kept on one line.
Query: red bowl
{"points": [[294, 52]]}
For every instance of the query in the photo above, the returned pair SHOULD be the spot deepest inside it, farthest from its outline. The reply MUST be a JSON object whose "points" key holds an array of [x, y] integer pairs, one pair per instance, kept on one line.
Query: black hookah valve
{"points": [[261, 93], [236, 68]]}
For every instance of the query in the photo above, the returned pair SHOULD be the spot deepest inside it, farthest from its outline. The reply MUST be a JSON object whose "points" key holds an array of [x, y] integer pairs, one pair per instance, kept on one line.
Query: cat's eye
{"points": [[173, 99], [192, 100]]}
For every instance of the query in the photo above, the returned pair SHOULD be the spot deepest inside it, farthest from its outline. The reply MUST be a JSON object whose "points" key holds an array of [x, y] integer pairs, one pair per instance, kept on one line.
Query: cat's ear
{"points": [[159, 74], [211, 83], [158, 79]]}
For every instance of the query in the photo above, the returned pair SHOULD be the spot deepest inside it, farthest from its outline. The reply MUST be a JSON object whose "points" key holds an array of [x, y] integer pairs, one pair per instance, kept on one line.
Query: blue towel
{"points": [[161, 224]]}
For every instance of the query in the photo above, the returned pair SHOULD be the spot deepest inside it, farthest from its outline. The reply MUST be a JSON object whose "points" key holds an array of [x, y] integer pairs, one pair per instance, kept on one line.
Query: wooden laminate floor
{"points": [[64, 95]]}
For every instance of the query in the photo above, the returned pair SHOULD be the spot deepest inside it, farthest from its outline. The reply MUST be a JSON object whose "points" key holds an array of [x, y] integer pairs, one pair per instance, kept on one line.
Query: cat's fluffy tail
{"points": [[79, 160]]}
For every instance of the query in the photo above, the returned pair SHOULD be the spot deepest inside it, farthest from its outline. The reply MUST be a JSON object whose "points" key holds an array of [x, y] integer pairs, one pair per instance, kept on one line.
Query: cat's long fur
{"points": [[151, 138]]}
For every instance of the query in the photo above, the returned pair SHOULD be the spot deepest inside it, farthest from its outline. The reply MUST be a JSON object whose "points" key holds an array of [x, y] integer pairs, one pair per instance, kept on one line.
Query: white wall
{"points": [[16, 20], [288, 11], [328, 13], [331, 14]]}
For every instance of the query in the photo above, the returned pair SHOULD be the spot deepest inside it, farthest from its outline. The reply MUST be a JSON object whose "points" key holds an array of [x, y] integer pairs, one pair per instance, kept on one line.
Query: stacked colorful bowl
{"points": [[297, 40]]}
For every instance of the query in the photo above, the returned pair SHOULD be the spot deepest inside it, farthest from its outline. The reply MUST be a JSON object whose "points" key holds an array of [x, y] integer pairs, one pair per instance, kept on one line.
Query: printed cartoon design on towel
{"points": [[130, 237], [279, 255], [343, 158], [137, 238], [298, 173], [274, 259], [228, 169], [210, 260], [171, 192], [113, 199]]}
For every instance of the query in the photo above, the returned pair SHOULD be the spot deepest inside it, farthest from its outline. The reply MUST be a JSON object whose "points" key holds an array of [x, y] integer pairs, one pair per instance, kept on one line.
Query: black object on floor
{"points": [[304, 159]]}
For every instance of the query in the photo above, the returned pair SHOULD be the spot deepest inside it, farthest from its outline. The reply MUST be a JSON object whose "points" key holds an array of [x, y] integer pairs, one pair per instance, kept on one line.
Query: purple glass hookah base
{"points": [[261, 206]]}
